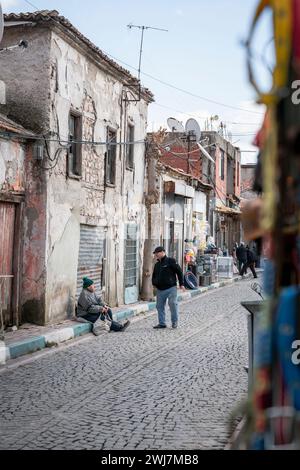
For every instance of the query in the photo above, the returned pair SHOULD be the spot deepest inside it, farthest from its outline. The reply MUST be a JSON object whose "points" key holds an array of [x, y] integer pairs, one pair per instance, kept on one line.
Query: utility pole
{"points": [[143, 28], [190, 138]]}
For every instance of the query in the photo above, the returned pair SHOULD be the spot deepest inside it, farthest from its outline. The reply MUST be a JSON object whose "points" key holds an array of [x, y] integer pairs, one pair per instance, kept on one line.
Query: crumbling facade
{"points": [[221, 173], [85, 107]]}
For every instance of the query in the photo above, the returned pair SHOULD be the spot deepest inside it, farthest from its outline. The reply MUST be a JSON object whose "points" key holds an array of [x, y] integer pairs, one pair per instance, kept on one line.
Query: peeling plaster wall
{"points": [[12, 175], [57, 75], [80, 85], [26, 76]]}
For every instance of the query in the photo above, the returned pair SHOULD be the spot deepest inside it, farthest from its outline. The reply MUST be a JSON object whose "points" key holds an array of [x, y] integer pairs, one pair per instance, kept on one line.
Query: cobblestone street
{"points": [[141, 389]]}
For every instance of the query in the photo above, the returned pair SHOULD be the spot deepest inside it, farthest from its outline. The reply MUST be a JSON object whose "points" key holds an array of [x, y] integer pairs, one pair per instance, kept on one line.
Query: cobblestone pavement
{"points": [[141, 389]]}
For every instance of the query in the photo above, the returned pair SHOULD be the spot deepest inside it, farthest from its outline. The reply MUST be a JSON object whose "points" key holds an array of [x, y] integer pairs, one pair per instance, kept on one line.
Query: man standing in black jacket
{"points": [[165, 274], [241, 254], [251, 258]]}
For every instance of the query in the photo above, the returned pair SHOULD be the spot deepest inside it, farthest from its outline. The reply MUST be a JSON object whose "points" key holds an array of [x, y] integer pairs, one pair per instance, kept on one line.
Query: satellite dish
{"points": [[193, 127], [1, 23], [175, 125]]}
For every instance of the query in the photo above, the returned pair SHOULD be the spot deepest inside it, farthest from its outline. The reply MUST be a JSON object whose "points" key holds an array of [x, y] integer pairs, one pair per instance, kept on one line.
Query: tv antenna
{"points": [[143, 28], [213, 118], [174, 125]]}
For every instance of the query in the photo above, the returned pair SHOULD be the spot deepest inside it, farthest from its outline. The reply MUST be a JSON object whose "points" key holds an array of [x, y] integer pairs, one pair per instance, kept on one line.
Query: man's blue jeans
{"points": [[161, 299]]}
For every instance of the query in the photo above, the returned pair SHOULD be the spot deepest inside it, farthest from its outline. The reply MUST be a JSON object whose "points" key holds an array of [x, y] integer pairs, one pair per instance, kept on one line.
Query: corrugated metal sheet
{"points": [[91, 254], [7, 227]]}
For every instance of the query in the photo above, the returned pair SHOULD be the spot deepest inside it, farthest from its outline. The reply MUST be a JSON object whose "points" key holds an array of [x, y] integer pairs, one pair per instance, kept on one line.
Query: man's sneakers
{"points": [[175, 326]]}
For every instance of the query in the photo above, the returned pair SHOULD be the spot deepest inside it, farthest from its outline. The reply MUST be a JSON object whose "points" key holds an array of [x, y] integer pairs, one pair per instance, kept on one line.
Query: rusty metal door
{"points": [[7, 233]]}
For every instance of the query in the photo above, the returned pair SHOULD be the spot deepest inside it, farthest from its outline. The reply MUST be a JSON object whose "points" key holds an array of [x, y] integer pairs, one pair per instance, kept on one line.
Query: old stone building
{"points": [[225, 176], [180, 214], [184, 201], [221, 173], [91, 117]]}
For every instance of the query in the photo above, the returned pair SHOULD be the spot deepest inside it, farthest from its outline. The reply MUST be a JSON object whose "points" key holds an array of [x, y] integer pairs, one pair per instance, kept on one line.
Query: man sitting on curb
{"points": [[91, 308]]}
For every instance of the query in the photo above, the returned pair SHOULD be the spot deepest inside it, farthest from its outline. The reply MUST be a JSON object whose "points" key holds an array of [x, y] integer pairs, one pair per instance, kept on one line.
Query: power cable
{"points": [[198, 116], [67, 142], [161, 81]]}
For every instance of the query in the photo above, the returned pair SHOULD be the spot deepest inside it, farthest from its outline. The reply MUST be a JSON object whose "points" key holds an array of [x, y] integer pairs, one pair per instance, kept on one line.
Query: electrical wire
{"points": [[68, 142], [186, 91], [55, 160], [198, 116]]}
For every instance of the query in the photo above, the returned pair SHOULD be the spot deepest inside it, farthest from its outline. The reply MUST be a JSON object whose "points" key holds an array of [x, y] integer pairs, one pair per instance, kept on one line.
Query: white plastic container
{"points": [[225, 267]]}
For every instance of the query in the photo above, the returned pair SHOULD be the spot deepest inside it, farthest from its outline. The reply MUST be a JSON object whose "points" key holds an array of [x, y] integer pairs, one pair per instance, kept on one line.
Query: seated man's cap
{"points": [[87, 282], [159, 249]]}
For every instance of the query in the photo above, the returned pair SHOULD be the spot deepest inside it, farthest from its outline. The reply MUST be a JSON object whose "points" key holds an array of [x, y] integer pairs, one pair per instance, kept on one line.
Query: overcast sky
{"points": [[201, 53]]}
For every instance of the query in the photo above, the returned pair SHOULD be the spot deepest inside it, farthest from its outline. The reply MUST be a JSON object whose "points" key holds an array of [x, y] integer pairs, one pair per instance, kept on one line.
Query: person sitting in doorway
{"points": [[91, 308]]}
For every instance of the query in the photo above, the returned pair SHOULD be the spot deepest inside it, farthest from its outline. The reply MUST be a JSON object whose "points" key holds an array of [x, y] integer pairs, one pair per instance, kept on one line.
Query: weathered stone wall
{"points": [[58, 76], [12, 156]]}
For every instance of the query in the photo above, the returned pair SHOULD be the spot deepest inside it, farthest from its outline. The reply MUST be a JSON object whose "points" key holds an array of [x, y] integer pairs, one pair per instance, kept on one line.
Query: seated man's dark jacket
{"points": [[89, 302], [165, 272]]}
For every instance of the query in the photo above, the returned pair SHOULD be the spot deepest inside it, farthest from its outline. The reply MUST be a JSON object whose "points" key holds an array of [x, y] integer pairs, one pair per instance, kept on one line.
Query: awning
{"points": [[227, 210]]}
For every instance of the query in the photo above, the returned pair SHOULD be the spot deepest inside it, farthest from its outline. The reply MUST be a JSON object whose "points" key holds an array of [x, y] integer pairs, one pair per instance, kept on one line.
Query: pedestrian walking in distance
{"points": [[91, 308], [251, 258], [165, 275]]}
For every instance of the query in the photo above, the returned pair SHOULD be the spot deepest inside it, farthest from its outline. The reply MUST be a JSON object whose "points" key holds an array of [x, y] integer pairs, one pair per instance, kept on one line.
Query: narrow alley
{"points": [[141, 389]]}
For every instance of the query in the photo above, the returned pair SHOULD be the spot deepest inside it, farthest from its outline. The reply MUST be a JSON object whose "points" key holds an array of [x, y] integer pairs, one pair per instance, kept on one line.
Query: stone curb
{"points": [[34, 344]]}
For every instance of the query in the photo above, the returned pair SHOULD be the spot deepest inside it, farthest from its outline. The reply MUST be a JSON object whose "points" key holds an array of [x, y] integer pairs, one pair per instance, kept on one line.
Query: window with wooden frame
{"points": [[111, 157], [130, 147], [75, 148]]}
